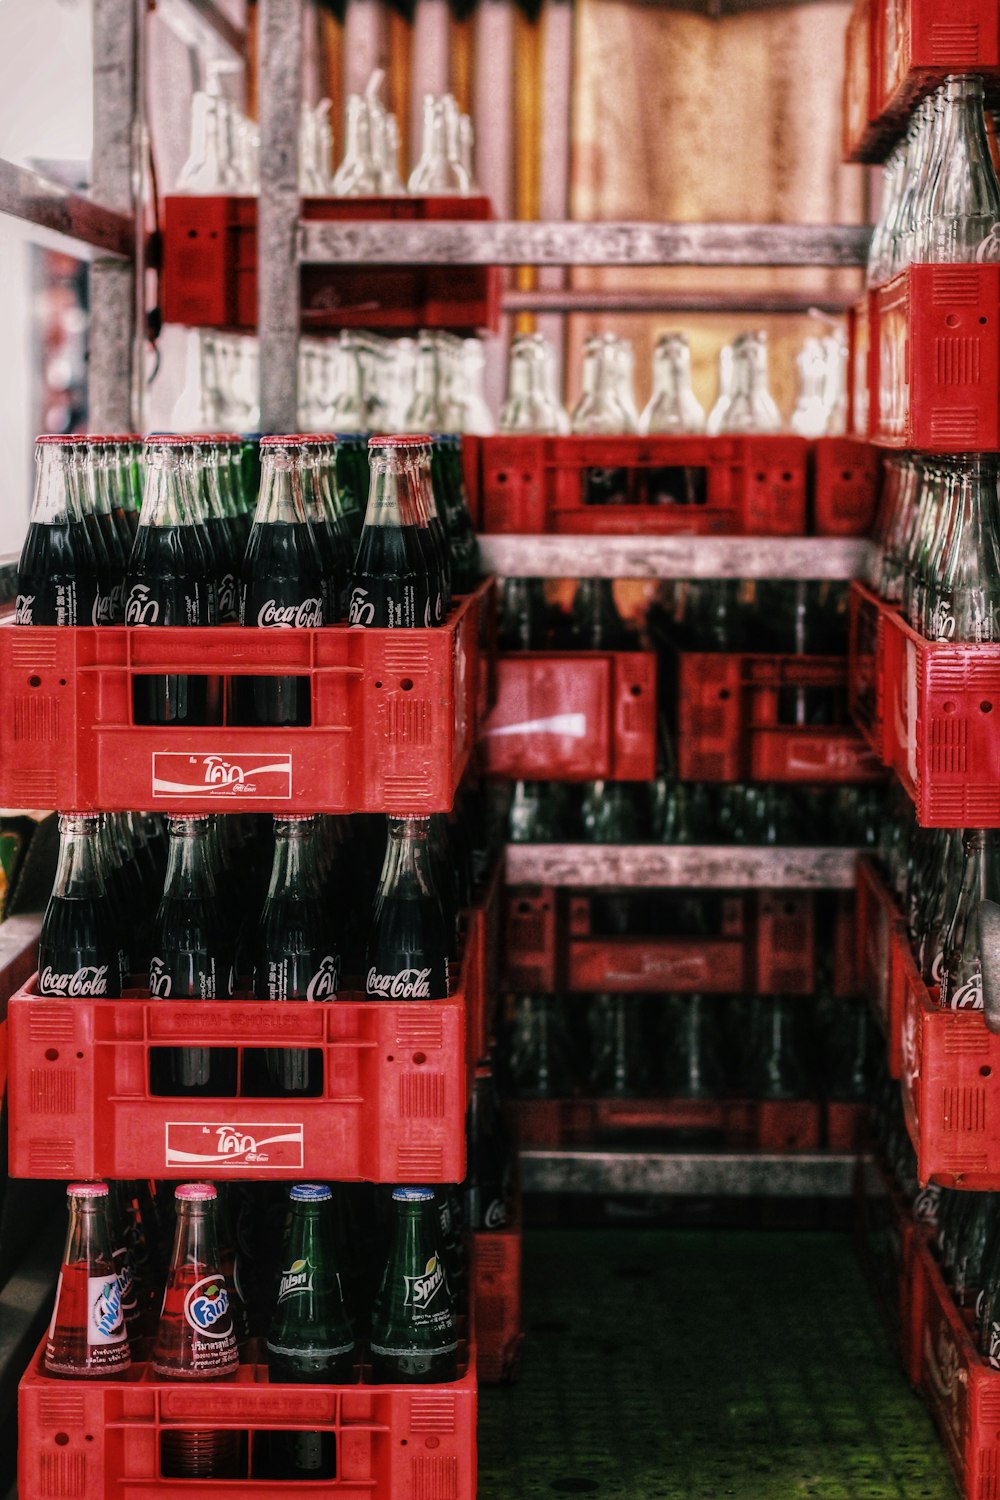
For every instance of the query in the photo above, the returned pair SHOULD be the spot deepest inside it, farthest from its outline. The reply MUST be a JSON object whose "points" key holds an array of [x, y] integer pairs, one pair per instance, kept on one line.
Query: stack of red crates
{"points": [[395, 719]]}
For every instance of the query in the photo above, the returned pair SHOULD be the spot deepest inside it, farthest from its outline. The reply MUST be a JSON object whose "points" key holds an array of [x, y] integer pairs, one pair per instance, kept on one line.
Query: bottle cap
{"points": [[195, 1192], [412, 1194], [171, 439], [87, 1190], [282, 439], [61, 437], [404, 440], [310, 1192]]}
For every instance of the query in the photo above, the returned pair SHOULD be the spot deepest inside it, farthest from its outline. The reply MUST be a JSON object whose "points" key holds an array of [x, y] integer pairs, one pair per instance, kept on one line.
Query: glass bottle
{"points": [[487, 1187], [692, 1064], [961, 972], [78, 949], [965, 202], [609, 814], [413, 1336], [392, 584], [409, 940], [905, 472], [358, 174], [192, 960], [673, 406], [451, 501], [931, 537], [528, 406], [777, 1066], [439, 170], [879, 251], [750, 407], [87, 1336], [595, 621], [936, 911], [601, 410], [963, 602], [57, 579], [619, 1046]]}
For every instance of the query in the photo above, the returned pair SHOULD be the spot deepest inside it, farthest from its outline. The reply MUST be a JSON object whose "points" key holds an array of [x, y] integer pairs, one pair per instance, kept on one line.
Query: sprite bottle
{"points": [[413, 1337]]}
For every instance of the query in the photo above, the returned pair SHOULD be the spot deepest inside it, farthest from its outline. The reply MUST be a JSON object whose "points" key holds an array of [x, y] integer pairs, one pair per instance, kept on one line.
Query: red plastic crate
{"points": [[951, 1065], [860, 135], [847, 1124], [883, 950], [100, 1439], [496, 1256], [864, 675], [754, 486], [844, 944], [482, 945], [573, 716], [887, 1236], [767, 946], [934, 369], [939, 709], [846, 474], [860, 318], [963, 1393], [209, 269], [395, 1089], [767, 1125], [728, 725], [393, 718]]}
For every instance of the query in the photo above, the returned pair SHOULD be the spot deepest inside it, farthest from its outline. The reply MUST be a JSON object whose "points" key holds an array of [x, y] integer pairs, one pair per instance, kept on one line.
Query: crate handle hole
{"points": [[61, 1439], [407, 684], [636, 690], [34, 680], [787, 477], [501, 479], [390, 1058], [761, 478], [986, 707], [984, 319], [88, 1437], [62, 682], [419, 1057], [847, 475], [985, 1071], [51, 1054], [724, 694], [192, 234], [378, 684]]}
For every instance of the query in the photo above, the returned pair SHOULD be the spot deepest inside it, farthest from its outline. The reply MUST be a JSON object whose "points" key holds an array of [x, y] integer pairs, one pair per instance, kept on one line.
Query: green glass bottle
{"points": [[310, 1338], [413, 1338]]}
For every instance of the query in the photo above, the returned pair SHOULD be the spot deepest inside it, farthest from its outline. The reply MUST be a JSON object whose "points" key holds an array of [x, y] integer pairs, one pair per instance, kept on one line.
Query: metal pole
{"points": [[113, 377], [278, 291]]}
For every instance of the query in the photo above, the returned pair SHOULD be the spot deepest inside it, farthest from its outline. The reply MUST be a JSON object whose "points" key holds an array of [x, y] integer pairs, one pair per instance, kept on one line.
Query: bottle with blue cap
{"points": [[413, 1335], [310, 1339]]}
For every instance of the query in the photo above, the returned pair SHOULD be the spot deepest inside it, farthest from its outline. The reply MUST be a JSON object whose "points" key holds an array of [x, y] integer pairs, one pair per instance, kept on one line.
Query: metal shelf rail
{"points": [[662, 866], [720, 1174], [566, 556]]}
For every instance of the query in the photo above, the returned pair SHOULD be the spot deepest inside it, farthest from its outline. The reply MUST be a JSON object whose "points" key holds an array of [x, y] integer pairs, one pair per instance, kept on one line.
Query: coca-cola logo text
{"points": [[89, 981], [141, 609], [160, 982], [225, 597], [323, 984], [275, 616], [23, 606], [362, 611], [408, 984]]}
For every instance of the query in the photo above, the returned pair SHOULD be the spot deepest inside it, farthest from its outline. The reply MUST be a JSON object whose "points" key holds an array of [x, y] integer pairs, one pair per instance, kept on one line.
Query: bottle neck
{"points": [[195, 1237], [88, 1238], [78, 872], [406, 869], [164, 503], [388, 497], [280, 499], [189, 872], [51, 504], [293, 866]]}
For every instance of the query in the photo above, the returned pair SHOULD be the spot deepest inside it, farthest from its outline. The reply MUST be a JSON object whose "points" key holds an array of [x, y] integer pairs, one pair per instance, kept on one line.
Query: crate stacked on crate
{"points": [[210, 1078]]}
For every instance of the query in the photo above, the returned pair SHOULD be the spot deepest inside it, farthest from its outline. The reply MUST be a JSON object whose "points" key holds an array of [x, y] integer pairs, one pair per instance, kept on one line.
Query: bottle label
{"points": [[314, 1354], [23, 607], [408, 984], [126, 1281], [105, 608], [206, 1308], [275, 616], [968, 996], [142, 608], [227, 599], [424, 1295], [495, 1216], [106, 1320], [389, 606], [298, 1278], [992, 1344], [87, 982], [281, 980], [925, 1204], [161, 981]]}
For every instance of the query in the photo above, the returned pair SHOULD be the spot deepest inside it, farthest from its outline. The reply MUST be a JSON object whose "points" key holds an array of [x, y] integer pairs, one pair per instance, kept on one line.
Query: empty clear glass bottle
{"points": [[673, 406], [964, 207]]}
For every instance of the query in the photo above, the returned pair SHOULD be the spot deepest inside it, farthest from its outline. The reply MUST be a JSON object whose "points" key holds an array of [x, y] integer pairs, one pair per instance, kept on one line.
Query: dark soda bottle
{"points": [[282, 584], [692, 1066], [392, 581], [524, 615], [433, 535], [195, 1338], [78, 949], [192, 960], [448, 1203], [87, 1335], [408, 944], [540, 1060], [778, 1068], [413, 1338], [296, 956], [168, 582], [352, 477], [488, 1177], [56, 574], [596, 622], [333, 540], [105, 520], [453, 507], [217, 527], [619, 1046]]}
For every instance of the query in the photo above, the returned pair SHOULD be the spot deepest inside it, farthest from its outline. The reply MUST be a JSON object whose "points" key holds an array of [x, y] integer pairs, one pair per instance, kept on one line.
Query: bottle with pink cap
{"points": [[87, 1335]]}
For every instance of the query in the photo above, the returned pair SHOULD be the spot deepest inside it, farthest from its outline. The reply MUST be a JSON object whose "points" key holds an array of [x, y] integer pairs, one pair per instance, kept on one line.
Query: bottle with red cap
{"points": [[394, 581], [87, 1335], [57, 573], [196, 1339]]}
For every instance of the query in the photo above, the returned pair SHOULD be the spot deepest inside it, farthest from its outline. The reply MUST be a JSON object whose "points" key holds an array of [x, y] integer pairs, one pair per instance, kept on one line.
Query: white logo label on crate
{"points": [[216, 777], [259, 1143]]}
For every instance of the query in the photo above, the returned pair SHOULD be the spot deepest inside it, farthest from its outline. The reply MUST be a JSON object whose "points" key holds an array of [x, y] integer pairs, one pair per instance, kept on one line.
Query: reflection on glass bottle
{"points": [[619, 1046], [595, 620], [963, 601], [750, 407], [540, 1062], [964, 207], [692, 1066], [961, 972], [777, 1066], [673, 406], [609, 813]]}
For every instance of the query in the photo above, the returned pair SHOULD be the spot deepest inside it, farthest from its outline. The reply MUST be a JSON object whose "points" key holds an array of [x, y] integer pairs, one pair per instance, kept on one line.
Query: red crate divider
{"points": [[754, 486], [482, 945], [883, 949], [963, 1393], [573, 716], [847, 1124], [897, 50], [864, 656], [728, 727], [393, 718], [886, 1236], [395, 1089], [209, 269], [495, 1257], [937, 725], [934, 362], [846, 473], [950, 1067], [768, 1125], [100, 1439]]}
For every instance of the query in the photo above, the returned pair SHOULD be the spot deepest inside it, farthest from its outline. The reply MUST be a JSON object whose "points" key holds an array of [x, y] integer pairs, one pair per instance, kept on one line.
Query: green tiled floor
{"points": [[691, 1365]]}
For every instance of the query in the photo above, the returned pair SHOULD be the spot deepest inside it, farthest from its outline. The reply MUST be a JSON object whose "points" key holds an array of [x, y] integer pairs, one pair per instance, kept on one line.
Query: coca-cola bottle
{"points": [[619, 1046], [352, 476], [217, 528], [523, 615], [105, 520], [78, 949], [392, 581], [692, 1063], [963, 600], [195, 1339], [488, 1175], [413, 1337], [282, 584], [168, 582], [296, 955], [333, 540], [56, 575], [87, 1334], [452, 502], [192, 960], [961, 970], [408, 945]]}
